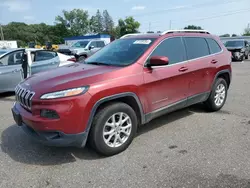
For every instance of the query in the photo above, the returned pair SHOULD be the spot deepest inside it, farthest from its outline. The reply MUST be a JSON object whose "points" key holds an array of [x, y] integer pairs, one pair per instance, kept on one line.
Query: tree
{"points": [[77, 20], [247, 32], [99, 21], [93, 25], [150, 31], [225, 35], [129, 25], [193, 27], [234, 35], [108, 23]]}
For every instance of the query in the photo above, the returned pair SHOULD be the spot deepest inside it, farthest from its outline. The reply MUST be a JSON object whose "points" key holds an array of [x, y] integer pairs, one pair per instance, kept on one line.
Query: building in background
{"points": [[71, 40]]}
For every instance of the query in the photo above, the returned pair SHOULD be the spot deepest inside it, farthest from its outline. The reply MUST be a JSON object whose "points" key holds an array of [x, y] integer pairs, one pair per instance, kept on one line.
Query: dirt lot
{"points": [[188, 148]]}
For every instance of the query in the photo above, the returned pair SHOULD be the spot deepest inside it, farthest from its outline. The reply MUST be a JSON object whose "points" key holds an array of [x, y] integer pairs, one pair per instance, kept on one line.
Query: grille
{"points": [[24, 97]]}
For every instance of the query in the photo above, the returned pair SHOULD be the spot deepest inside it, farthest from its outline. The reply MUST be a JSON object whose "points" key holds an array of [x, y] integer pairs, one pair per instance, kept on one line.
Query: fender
{"points": [[112, 97], [221, 72], [82, 53]]}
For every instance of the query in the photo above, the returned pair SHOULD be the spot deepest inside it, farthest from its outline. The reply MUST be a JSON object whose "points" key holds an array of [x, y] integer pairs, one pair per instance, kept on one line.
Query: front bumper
{"points": [[237, 55], [50, 138]]}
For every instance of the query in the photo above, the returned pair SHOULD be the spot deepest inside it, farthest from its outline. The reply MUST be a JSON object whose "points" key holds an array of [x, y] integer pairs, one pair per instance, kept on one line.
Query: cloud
{"points": [[138, 8], [16, 5], [29, 18]]}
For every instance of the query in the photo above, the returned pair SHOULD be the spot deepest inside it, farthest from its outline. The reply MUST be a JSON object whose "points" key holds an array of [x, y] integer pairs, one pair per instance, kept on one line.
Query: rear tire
{"points": [[113, 129], [217, 96]]}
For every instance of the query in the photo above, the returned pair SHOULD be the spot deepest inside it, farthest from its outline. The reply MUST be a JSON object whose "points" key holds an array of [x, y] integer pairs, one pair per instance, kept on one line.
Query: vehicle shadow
{"points": [[19, 147], [6, 96]]}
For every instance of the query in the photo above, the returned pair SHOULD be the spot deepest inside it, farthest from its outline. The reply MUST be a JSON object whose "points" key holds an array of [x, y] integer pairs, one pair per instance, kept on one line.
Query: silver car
{"points": [[18, 64]]}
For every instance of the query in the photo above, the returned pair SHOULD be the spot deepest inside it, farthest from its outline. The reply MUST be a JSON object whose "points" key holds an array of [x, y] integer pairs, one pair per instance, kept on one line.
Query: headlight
{"points": [[65, 93]]}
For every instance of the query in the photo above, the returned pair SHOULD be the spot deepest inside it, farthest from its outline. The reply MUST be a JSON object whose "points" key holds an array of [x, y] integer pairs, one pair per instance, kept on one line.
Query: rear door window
{"points": [[213, 46], [100, 44], [196, 47], [44, 55]]}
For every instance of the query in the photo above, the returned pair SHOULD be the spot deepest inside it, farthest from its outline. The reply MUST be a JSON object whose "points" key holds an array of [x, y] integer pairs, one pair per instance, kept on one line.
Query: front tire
{"points": [[81, 58], [246, 57], [217, 96], [113, 129]]}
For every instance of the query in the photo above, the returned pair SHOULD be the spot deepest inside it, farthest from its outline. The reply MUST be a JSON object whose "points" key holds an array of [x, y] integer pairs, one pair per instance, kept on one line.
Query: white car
{"points": [[18, 64]]}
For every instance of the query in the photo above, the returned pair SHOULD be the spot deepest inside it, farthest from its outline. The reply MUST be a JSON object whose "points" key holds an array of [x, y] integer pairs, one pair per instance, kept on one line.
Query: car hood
{"points": [[71, 76], [71, 48], [234, 47]]}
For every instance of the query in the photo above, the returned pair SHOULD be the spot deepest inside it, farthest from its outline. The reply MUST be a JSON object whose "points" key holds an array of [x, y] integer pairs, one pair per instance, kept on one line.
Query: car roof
{"points": [[183, 32]]}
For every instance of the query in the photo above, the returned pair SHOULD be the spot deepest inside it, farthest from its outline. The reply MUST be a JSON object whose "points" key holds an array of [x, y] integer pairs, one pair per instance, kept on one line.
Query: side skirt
{"points": [[177, 106]]}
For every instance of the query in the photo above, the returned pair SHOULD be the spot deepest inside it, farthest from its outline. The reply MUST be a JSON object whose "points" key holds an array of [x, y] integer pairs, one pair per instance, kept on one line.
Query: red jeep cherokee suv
{"points": [[125, 84]]}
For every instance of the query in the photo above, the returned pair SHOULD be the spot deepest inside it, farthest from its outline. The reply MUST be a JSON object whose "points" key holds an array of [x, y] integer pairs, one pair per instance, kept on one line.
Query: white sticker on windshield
{"points": [[142, 42]]}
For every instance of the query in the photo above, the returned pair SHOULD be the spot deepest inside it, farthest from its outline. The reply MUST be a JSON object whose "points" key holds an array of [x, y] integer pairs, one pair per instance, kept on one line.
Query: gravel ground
{"points": [[188, 148]]}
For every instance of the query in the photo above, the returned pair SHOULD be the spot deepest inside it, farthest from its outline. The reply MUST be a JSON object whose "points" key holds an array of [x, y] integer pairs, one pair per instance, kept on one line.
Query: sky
{"points": [[217, 16]]}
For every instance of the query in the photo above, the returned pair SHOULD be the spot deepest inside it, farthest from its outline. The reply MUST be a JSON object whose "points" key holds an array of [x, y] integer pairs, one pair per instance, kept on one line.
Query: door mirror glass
{"points": [[158, 61], [91, 47]]}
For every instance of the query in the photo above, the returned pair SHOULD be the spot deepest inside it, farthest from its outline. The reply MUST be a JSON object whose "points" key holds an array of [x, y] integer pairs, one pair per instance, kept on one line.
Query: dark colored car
{"points": [[125, 84], [239, 48]]}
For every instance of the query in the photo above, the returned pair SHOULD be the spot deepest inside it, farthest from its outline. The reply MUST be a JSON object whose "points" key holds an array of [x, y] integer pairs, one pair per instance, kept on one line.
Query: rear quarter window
{"points": [[196, 47], [213, 46]]}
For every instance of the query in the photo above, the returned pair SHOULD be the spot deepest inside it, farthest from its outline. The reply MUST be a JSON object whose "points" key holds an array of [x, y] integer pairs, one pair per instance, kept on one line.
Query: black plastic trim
{"points": [[110, 98], [222, 72], [165, 110]]}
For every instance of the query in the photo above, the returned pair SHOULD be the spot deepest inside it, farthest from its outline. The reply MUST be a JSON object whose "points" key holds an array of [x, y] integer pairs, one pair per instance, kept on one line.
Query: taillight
{"points": [[72, 59]]}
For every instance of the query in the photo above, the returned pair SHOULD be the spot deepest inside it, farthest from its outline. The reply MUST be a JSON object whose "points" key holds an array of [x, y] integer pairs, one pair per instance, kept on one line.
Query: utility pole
{"points": [[170, 24], [1, 32]]}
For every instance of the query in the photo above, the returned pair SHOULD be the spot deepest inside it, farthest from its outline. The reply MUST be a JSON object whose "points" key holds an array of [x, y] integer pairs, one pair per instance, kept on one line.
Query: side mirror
{"points": [[158, 61], [91, 47]]}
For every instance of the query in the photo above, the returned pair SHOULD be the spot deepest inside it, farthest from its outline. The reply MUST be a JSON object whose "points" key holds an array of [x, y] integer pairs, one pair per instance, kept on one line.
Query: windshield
{"points": [[234, 43], [80, 44], [2, 52], [121, 52]]}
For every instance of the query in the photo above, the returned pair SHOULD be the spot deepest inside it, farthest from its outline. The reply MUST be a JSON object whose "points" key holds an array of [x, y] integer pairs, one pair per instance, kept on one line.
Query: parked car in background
{"points": [[125, 84], [18, 64], [239, 48], [83, 49]]}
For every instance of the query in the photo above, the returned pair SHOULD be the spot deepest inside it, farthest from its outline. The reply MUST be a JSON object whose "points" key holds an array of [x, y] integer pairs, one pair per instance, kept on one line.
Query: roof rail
{"points": [[185, 31], [131, 34]]}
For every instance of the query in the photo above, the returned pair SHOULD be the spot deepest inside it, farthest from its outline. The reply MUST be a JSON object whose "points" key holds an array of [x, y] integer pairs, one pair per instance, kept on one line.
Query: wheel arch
{"points": [[225, 74], [129, 98]]}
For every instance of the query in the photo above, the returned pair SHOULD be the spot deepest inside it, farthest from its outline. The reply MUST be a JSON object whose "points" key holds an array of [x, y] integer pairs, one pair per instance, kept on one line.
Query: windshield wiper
{"points": [[97, 63]]}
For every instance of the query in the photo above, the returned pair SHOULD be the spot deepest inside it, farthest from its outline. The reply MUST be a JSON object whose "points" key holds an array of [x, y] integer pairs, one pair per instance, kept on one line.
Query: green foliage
{"points": [[193, 27], [225, 35], [129, 25], [71, 23], [77, 20], [246, 32]]}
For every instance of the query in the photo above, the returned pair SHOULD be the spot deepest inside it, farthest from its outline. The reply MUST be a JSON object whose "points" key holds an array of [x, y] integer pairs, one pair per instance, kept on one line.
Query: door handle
{"points": [[183, 69], [214, 61]]}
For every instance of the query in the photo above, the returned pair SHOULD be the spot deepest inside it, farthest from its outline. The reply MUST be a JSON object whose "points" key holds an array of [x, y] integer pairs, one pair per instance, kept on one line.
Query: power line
{"points": [[187, 7], [210, 17]]}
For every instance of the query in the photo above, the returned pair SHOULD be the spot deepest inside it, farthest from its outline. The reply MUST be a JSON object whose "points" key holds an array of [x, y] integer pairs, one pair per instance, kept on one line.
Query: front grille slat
{"points": [[24, 97]]}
